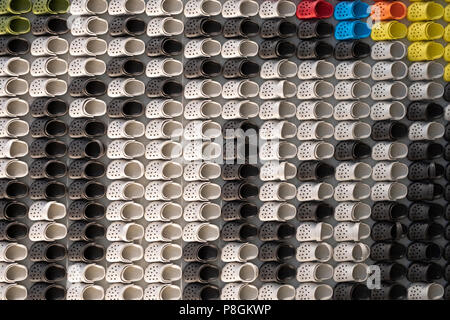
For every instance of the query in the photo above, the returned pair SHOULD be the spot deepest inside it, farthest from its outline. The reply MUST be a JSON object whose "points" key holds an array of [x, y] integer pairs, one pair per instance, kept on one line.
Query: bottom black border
{"points": [[199, 310]]}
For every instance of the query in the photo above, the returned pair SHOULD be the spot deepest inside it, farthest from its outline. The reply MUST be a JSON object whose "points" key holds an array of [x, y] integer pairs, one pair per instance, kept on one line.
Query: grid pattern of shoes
{"points": [[224, 150]]}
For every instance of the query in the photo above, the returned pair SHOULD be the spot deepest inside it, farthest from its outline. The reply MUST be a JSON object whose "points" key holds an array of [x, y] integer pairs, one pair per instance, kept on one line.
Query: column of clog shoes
{"points": [[163, 233], [424, 191], [425, 212], [202, 155], [86, 232], [446, 54], [314, 93], [278, 149], [48, 169], [349, 31], [446, 37], [239, 111], [446, 211], [424, 113], [387, 111], [423, 30], [125, 91], [276, 192], [13, 106], [224, 150], [425, 230], [352, 135]]}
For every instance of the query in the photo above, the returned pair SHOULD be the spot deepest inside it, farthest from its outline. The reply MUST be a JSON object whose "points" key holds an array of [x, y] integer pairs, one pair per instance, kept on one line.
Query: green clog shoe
{"points": [[50, 6], [14, 25], [15, 6]]}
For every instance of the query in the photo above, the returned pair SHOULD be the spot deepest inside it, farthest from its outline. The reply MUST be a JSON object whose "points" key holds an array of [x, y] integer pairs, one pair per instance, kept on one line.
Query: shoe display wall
{"points": [[224, 150]]}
